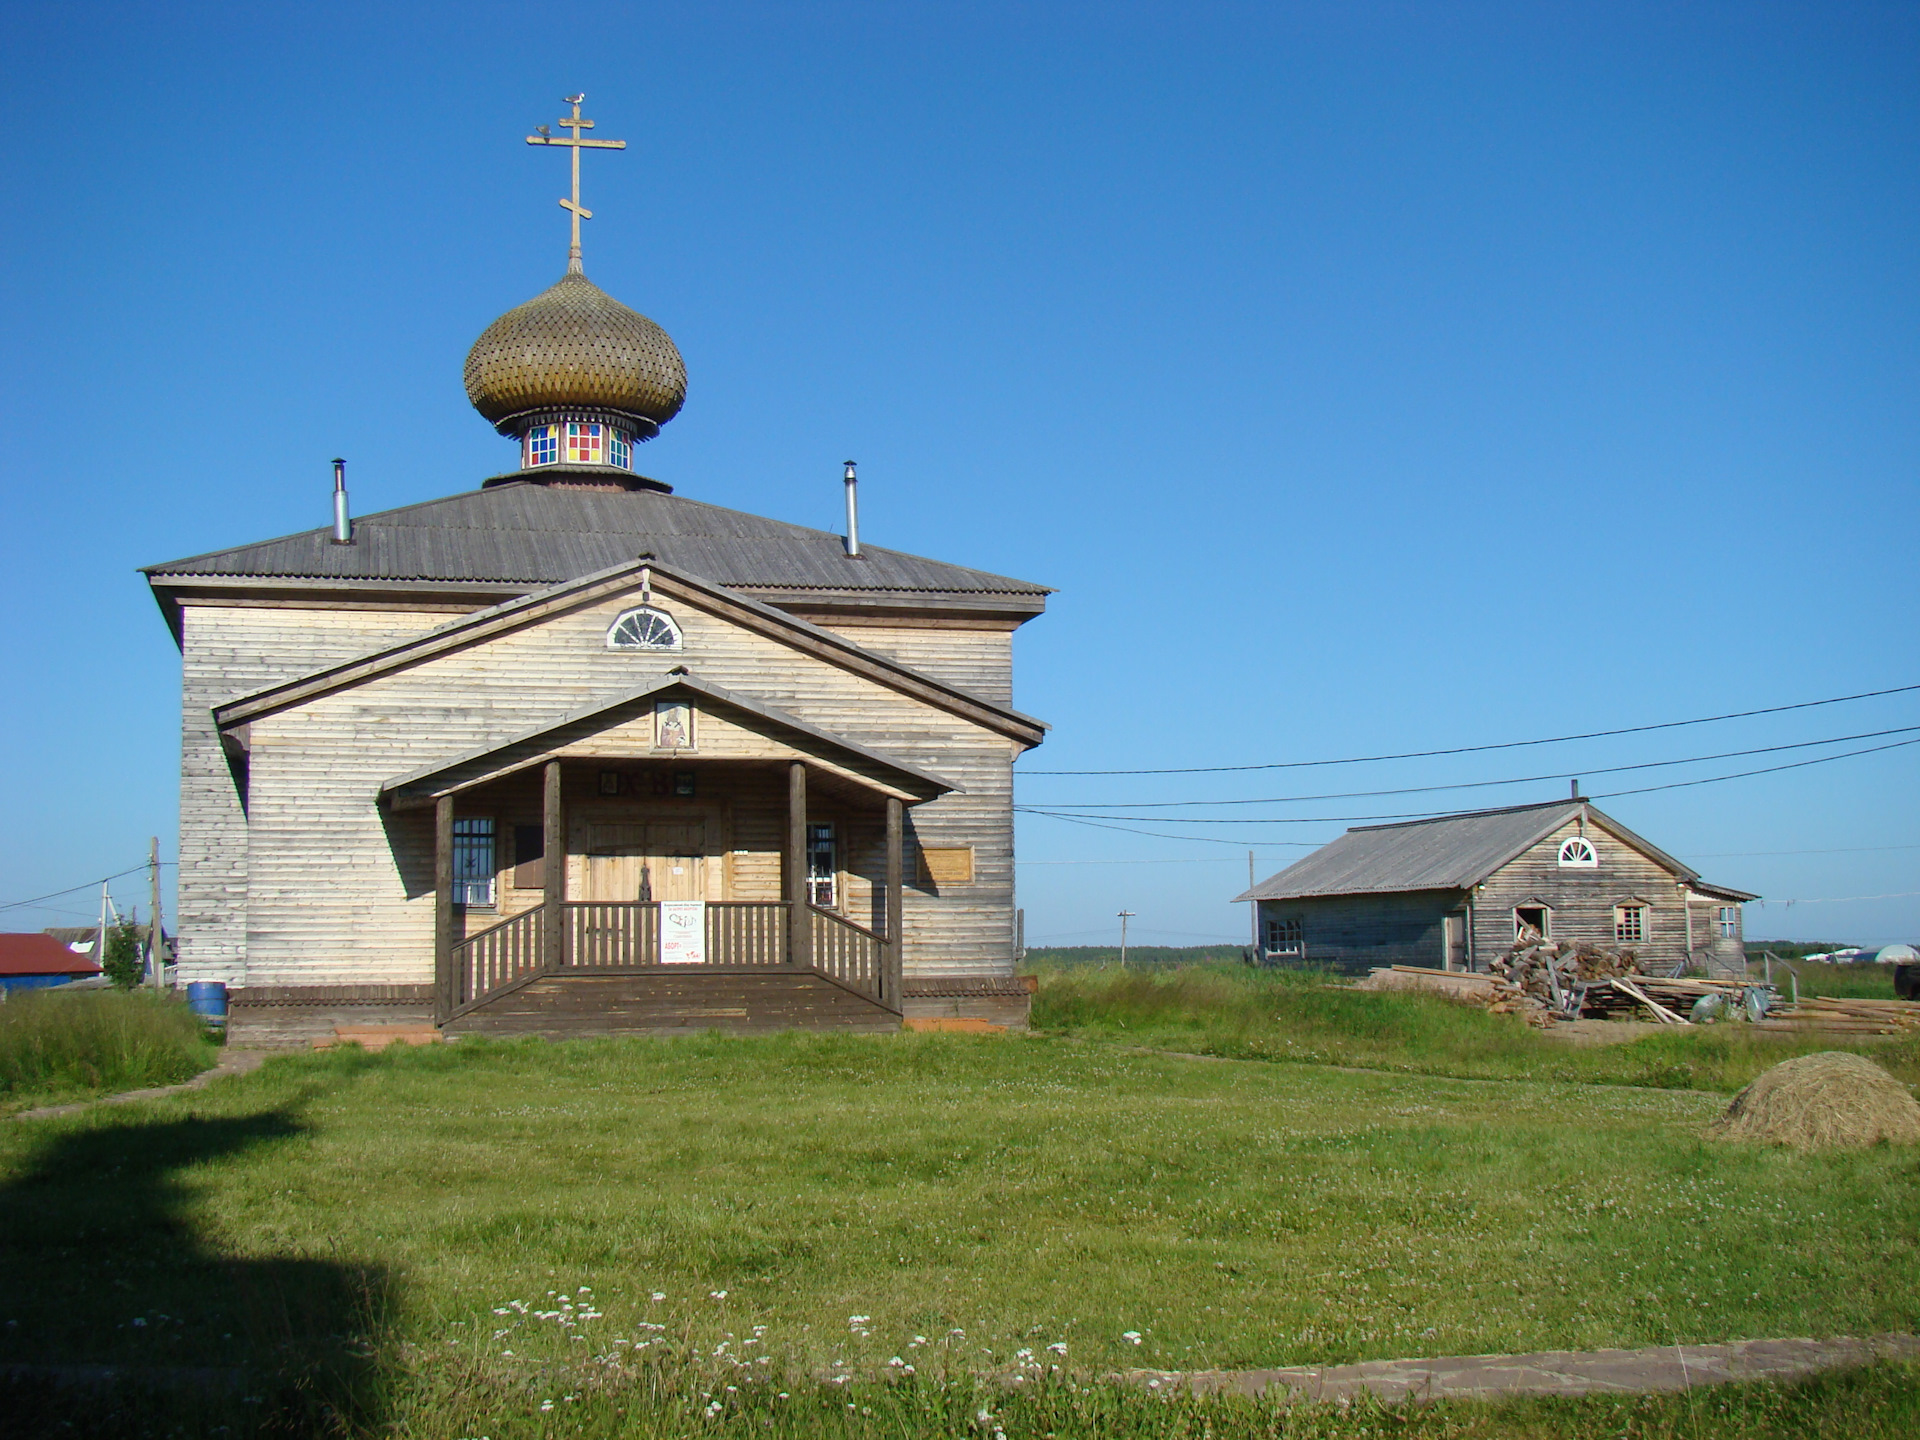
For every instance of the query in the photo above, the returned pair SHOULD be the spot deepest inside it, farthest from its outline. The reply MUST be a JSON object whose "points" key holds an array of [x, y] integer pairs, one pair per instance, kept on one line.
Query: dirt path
{"points": [[1547, 1372], [232, 1062]]}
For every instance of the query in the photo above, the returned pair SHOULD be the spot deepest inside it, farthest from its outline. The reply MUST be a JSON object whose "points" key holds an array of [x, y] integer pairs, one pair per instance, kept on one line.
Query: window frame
{"points": [[1632, 922], [1727, 923], [1546, 919], [823, 874], [1571, 846], [653, 612], [1283, 936], [481, 837]]}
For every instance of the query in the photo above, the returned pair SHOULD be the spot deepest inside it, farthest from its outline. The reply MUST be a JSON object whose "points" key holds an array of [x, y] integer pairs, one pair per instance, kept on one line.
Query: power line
{"points": [[85, 885], [1847, 850], [1435, 814], [1506, 745], [1480, 784]]}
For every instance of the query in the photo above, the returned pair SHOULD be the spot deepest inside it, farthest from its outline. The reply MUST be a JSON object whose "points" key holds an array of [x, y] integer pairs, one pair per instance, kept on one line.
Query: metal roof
{"points": [[534, 534], [1449, 852]]}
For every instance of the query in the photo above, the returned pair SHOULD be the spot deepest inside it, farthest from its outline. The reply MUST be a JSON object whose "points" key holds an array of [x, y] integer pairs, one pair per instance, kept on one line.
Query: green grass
{"points": [[1285, 1015], [366, 1224], [1863, 982], [59, 1044]]}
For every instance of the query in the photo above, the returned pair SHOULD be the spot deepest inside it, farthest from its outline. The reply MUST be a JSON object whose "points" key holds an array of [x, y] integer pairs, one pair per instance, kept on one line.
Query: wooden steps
{"points": [[655, 1002]]}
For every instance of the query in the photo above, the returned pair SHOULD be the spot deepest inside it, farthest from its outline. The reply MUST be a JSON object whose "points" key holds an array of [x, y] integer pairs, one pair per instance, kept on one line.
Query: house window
{"points": [[1577, 853], [585, 443], [1286, 937], [644, 629], [823, 867], [473, 862], [1629, 924], [543, 445], [1537, 918], [1729, 922]]}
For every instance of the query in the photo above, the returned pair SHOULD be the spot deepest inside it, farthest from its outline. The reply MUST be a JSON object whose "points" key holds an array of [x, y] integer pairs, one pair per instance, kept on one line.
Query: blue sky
{"points": [[1367, 377]]}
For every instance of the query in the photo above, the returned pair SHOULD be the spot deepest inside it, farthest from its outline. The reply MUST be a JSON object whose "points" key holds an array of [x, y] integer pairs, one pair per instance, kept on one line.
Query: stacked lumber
{"points": [[1834, 1016]]}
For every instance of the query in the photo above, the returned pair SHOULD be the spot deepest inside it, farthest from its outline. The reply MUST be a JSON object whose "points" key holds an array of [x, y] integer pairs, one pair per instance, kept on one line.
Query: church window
{"points": [[620, 449], [644, 629], [585, 443], [1577, 853], [473, 862], [543, 445], [823, 869]]}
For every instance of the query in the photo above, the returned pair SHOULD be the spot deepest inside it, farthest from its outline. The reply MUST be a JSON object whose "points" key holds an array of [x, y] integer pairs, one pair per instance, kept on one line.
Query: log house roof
{"points": [[1450, 852]]}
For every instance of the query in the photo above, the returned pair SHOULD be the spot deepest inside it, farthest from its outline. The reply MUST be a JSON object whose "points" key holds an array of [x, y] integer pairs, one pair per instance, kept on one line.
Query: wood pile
{"points": [[1831, 1016]]}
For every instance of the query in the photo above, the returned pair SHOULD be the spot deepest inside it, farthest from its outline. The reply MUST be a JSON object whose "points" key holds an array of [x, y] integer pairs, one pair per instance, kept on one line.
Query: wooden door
{"points": [[677, 854], [657, 859], [616, 862]]}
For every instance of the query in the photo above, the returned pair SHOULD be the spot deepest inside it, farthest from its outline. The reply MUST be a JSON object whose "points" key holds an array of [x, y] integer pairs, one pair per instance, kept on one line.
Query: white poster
{"points": [[683, 932]]}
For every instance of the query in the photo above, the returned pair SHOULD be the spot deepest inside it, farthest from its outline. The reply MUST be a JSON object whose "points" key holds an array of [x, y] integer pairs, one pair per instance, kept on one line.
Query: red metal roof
{"points": [[41, 955]]}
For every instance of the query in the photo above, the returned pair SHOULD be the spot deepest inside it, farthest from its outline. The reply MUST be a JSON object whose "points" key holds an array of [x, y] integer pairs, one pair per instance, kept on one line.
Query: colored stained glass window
{"points": [[584, 443], [620, 449], [543, 445]]}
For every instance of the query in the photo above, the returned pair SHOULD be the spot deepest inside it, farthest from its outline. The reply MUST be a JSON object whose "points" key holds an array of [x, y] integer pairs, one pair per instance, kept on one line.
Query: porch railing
{"points": [[496, 956], [612, 935], [849, 953]]}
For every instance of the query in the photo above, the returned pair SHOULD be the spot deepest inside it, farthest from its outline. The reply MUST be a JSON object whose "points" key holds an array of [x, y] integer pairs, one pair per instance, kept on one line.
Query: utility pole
{"points": [[1253, 909], [156, 940], [100, 935], [1125, 915]]}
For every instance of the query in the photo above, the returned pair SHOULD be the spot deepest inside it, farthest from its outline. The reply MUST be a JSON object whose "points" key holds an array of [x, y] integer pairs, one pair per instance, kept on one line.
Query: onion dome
{"points": [[574, 353]]}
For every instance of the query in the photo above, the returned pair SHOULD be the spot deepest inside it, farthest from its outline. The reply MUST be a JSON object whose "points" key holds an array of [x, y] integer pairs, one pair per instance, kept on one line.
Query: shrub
{"points": [[97, 1040], [124, 965]]}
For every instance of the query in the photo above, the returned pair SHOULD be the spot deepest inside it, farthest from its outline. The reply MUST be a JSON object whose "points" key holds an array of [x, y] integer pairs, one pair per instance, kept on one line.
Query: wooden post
{"points": [[799, 914], [443, 991], [156, 943], [895, 994], [553, 871]]}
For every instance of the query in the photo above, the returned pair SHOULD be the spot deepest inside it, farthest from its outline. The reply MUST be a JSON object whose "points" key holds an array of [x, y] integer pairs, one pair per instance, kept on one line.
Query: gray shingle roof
{"points": [[541, 535], [1451, 852]]}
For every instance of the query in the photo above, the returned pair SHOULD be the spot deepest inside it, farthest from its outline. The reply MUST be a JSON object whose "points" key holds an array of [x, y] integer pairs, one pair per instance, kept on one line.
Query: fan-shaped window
{"points": [[1577, 853], [644, 629]]}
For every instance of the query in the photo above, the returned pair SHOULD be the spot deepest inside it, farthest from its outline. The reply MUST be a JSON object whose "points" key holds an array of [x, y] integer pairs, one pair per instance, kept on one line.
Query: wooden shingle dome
{"points": [[574, 349]]}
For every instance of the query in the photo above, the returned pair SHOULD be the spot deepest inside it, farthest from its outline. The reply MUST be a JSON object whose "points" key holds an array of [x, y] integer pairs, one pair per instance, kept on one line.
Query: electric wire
{"points": [[84, 885], [1480, 784], [1434, 814], [1504, 745]]}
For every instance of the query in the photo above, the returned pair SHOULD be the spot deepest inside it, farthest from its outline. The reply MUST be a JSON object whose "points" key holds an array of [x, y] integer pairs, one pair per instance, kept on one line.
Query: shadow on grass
{"points": [[121, 1314]]}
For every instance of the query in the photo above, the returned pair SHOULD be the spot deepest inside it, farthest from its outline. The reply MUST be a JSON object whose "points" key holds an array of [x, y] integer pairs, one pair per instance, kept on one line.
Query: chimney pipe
{"points": [[1576, 789], [853, 512], [342, 523]]}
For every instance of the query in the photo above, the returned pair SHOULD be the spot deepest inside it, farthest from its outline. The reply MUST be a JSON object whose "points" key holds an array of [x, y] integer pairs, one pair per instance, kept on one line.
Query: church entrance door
{"points": [[645, 860]]}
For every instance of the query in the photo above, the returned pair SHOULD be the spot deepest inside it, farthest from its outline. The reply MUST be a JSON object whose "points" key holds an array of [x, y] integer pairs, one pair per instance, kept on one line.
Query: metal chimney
{"points": [[853, 512], [342, 522]]}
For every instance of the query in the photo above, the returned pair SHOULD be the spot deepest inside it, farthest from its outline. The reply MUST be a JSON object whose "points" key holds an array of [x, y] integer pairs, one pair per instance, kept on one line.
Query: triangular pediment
{"points": [[717, 726], [640, 579]]}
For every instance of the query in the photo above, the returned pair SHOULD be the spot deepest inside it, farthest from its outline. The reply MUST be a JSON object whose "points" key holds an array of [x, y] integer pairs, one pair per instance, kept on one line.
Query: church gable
{"points": [[568, 640]]}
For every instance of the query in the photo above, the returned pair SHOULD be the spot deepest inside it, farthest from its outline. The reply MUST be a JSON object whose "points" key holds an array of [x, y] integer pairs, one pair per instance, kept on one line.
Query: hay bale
{"points": [[1832, 1100]]}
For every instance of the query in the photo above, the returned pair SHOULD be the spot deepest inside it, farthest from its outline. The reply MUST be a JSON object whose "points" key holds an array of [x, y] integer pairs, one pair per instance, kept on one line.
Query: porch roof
{"points": [[545, 742]]}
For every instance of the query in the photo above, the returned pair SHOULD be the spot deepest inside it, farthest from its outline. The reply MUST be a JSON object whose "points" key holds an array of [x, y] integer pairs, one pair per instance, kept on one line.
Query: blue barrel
{"points": [[208, 1000]]}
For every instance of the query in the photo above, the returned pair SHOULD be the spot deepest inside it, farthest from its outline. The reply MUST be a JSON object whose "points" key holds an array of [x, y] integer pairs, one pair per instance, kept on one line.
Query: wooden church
{"points": [[570, 753]]}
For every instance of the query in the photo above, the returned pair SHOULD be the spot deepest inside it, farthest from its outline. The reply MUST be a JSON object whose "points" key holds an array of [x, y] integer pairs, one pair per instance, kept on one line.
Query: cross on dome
{"points": [[543, 136]]}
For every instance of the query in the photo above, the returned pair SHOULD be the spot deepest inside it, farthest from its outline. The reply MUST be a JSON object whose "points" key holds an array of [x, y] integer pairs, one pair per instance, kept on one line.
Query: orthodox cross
{"points": [[544, 136]]}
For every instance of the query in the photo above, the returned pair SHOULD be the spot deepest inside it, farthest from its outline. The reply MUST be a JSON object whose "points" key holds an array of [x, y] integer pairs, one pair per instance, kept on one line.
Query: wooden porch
{"points": [[569, 966]]}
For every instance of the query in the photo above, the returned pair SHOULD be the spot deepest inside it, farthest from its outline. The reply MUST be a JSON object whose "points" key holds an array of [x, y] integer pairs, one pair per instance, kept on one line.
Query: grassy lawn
{"points": [[408, 1225], [1234, 1011], [61, 1044]]}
